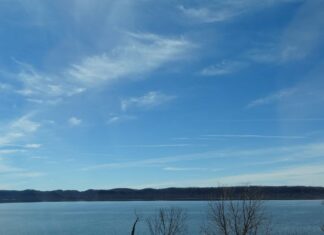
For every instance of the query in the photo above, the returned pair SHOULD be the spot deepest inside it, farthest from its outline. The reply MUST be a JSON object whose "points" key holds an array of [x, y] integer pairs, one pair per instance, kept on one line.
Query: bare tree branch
{"points": [[322, 226], [245, 216], [168, 221], [134, 225]]}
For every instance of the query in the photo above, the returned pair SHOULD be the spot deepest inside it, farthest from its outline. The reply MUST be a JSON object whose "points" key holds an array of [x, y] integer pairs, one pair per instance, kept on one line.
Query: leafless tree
{"points": [[134, 224], [243, 214], [168, 221], [322, 226]]}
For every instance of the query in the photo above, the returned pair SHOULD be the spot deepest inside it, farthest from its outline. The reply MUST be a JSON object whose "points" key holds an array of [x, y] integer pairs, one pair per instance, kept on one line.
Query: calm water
{"points": [[96, 218]]}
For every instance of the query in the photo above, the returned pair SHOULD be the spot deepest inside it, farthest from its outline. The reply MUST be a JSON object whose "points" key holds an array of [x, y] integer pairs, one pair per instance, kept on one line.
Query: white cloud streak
{"points": [[185, 169], [221, 11], [293, 175], [275, 97], [143, 53], [290, 153], [223, 68], [304, 33], [5, 87], [8, 170], [149, 100], [310, 175], [10, 151], [74, 121], [18, 129], [253, 136], [298, 40], [207, 15], [154, 146], [138, 55], [33, 146], [113, 119]]}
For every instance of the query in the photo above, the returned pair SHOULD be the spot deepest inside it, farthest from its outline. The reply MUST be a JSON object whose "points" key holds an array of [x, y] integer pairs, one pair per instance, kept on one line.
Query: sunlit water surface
{"points": [[96, 218]]}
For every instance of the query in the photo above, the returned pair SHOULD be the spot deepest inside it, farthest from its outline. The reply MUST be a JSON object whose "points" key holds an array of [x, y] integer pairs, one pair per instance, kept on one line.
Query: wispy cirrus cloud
{"points": [[275, 97], [220, 11], [142, 53], [239, 136], [304, 33], [302, 102], [28, 174], [32, 146], [149, 100], [310, 175], [10, 151], [146, 162], [184, 168], [253, 136], [18, 129], [120, 118], [4, 168], [16, 148], [5, 87], [223, 68], [154, 146], [272, 120], [38, 85], [207, 15], [137, 55], [11, 171], [12, 138], [290, 154], [298, 39]]}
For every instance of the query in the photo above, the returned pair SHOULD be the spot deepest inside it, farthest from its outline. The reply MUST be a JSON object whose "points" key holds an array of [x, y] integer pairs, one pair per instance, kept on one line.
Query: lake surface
{"points": [[98, 218]]}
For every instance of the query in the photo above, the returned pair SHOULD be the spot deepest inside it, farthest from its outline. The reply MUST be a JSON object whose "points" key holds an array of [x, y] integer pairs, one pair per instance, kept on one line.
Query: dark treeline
{"points": [[123, 194]]}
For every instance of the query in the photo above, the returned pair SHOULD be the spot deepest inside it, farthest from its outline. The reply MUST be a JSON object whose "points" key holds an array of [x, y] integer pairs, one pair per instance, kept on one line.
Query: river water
{"points": [[98, 218]]}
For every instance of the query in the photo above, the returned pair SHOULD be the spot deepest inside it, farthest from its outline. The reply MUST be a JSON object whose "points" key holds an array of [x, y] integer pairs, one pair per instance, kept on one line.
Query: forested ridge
{"points": [[194, 193]]}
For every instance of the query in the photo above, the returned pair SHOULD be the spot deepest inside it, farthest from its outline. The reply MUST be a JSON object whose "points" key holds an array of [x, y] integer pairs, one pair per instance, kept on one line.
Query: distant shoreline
{"points": [[166, 194]]}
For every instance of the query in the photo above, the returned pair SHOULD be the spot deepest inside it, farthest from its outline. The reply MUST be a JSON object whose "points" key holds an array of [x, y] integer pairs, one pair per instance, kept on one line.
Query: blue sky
{"points": [[125, 93]]}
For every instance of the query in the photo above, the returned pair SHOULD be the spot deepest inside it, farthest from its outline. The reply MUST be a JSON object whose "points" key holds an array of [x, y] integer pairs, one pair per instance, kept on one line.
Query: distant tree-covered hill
{"points": [[124, 194]]}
